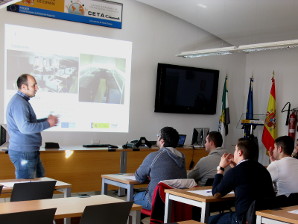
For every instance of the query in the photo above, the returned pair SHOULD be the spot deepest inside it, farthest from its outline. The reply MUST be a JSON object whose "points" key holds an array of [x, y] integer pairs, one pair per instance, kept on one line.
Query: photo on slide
{"points": [[53, 73], [102, 79]]}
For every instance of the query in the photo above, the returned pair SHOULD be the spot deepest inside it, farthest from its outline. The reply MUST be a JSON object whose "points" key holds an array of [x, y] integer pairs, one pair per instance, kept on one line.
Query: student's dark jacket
{"points": [[249, 180]]}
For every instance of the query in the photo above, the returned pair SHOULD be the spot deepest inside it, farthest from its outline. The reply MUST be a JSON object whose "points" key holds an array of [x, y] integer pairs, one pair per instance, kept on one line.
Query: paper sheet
{"points": [[131, 177], [205, 192], [202, 192], [293, 212]]}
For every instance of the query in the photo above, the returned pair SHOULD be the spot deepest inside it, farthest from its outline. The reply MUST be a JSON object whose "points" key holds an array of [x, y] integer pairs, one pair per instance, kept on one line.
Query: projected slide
{"points": [[84, 80]]}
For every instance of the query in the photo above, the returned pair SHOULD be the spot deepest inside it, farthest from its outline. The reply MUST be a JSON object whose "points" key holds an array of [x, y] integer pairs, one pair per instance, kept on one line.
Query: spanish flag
{"points": [[269, 132]]}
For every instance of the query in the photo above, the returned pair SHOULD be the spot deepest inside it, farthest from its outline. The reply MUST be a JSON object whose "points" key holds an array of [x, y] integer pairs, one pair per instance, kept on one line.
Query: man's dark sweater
{"points": [[249, 180]]}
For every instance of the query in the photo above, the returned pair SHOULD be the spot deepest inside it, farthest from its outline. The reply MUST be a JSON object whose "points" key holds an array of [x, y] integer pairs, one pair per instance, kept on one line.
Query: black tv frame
{"points": [[163, 95]]}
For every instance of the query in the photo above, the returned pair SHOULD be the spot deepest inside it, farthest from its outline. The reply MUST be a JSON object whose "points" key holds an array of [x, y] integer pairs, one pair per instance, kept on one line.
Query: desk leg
{"points": [[259, 219], [67, 220], [205, 212], [104, 186], [129, 196], [168, 206], [135, 217], [121, 192], [123, 162], [66, 191]]}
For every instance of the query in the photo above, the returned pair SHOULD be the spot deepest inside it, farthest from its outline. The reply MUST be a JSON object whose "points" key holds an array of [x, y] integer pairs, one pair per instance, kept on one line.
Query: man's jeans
{"points": [[224, 218], [141, 199], [27, 164]]}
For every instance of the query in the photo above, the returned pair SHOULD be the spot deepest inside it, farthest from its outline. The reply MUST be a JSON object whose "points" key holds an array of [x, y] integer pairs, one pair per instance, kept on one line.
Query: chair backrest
{"points": [[44, 216], [112, 213], [32, 190], [260, 204], [1, 186], [180, 212]]}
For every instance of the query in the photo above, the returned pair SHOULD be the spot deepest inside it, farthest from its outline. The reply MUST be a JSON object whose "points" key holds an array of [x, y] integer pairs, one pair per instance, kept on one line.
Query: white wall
{"points": [[285, 66], [157, 37]]}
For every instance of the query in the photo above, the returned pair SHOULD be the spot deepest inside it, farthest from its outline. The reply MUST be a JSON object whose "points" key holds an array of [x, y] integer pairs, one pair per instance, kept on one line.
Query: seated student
{"points": [[167, 163], [283, 168], [206, 166], [295, 151], [249, 180]]}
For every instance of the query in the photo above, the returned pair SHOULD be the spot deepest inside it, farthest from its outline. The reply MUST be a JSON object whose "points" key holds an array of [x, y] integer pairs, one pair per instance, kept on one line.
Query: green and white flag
{"points": [[224, 119]]}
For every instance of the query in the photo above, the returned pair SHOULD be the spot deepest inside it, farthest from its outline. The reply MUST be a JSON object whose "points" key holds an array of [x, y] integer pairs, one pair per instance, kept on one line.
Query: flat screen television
{"points": [[182, 89]]}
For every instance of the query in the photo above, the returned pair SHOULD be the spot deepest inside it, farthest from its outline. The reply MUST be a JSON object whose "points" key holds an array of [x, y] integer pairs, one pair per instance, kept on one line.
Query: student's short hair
{"points": [[287, 144], [170, 136], [23, 79], [249, 148], [215, 137]]}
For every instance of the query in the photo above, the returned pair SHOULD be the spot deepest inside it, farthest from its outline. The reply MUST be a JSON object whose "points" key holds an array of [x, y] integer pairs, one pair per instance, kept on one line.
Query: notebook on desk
{"points": [[181, 140]]}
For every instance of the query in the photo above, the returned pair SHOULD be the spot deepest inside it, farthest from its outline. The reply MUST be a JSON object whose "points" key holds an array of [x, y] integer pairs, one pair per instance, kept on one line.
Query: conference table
{"points": [[122, 180], [278, 216], [60, 186], [68, 207], [199, 196]]}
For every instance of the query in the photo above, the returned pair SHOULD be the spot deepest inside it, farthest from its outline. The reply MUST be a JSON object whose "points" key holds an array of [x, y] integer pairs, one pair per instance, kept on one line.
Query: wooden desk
{"points": [[63, 187], [201, 201], [67, 207], [119, 180], [277, 216], [82, 166]]}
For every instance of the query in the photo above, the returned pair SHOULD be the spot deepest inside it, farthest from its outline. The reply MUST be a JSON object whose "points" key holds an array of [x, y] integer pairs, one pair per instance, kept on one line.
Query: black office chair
{"points": [[113, 213], [44, 216], [260, 204], [33, 190]]}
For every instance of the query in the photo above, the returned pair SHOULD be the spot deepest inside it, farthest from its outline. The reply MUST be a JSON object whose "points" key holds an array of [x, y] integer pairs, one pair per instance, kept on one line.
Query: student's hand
{"points": [[231, 159], [232, 164], [53, 120], [226, 160], [295, 151], [270, 151]]}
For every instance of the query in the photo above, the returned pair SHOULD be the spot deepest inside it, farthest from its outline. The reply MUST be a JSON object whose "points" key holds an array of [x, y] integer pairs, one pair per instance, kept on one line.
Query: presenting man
{"points": [[167, 163], [24, 130], [248, 179], [283, 168], [206, 166]]}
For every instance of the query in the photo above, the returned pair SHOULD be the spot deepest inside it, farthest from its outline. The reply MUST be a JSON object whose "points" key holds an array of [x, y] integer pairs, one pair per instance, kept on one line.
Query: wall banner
{"points": [[96, 12]]}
